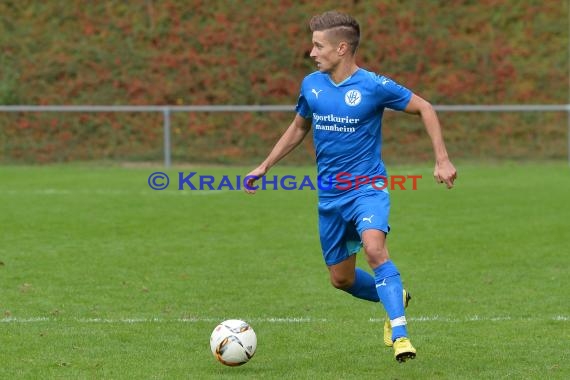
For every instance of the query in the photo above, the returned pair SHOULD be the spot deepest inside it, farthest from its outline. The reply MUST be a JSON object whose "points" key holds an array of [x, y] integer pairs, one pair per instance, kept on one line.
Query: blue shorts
{"points": [[342, 221]]}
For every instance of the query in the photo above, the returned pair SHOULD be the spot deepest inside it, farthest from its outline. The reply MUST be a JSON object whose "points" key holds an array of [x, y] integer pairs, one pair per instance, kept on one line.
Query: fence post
{"points": [[166, 129]]}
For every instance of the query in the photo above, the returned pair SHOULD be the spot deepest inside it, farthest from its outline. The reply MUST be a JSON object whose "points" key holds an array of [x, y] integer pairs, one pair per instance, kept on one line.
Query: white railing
{"points": [[167, 110]]}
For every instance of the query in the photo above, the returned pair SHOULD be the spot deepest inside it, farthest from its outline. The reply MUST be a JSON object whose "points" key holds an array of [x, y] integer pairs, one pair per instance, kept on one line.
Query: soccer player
{"points": [[344, 104]]}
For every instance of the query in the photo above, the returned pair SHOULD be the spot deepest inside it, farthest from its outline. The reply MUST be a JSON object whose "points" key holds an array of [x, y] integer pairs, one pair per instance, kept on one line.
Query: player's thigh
{"points": [[371, 218], [371, 211], [338, 236], [374, 242]]}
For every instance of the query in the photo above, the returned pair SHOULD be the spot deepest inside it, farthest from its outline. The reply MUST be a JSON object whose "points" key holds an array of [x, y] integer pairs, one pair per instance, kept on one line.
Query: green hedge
{"points": [[253, 52]]}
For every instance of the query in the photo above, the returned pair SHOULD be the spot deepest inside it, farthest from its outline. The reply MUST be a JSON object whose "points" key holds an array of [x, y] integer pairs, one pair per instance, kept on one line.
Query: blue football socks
{"points": [[389, 288], [364, 286]]}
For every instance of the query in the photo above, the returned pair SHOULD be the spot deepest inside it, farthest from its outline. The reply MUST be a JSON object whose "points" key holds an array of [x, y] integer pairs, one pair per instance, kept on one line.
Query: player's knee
{"points": [[341, 282], [376, 255]]}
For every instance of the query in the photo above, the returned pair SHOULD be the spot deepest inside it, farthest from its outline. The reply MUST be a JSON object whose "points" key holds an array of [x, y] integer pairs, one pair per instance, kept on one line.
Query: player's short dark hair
{"points": [[343, 27]]}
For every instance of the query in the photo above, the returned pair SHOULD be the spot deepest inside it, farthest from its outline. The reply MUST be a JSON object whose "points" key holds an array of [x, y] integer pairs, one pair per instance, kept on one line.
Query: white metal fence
{"points": [[168, 110]]}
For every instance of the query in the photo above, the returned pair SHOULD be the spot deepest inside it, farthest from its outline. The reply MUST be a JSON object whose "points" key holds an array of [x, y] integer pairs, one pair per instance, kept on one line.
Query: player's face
{"points": [[324, 52]]}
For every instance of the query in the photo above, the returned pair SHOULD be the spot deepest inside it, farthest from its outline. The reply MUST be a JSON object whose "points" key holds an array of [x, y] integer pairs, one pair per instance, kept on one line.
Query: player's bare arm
{"points": [[290, 139], [444, 171]]}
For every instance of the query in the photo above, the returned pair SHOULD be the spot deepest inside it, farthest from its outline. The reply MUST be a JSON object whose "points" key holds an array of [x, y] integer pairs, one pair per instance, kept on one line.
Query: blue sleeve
{"points": [[391, 94], [303, 108]]}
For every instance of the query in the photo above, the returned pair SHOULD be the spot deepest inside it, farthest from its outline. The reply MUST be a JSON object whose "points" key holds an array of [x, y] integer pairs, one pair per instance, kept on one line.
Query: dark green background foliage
{"points": [[251, 52]]}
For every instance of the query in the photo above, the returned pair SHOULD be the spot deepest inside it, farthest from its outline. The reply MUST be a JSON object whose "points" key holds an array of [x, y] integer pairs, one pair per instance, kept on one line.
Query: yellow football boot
{"points": [[403, 350], [388, 327]]}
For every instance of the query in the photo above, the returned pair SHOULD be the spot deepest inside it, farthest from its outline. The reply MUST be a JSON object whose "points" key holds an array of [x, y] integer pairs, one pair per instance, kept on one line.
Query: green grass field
{"points": [[103, 278]]}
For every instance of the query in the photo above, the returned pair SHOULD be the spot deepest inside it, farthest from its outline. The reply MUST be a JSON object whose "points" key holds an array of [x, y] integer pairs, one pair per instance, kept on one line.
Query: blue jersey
{"points": [[347, 125]]}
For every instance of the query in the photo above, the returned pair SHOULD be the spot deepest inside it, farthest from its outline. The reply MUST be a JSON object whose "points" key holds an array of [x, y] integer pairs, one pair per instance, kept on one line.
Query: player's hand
{"points": [[445, 172], [251, 177]]}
